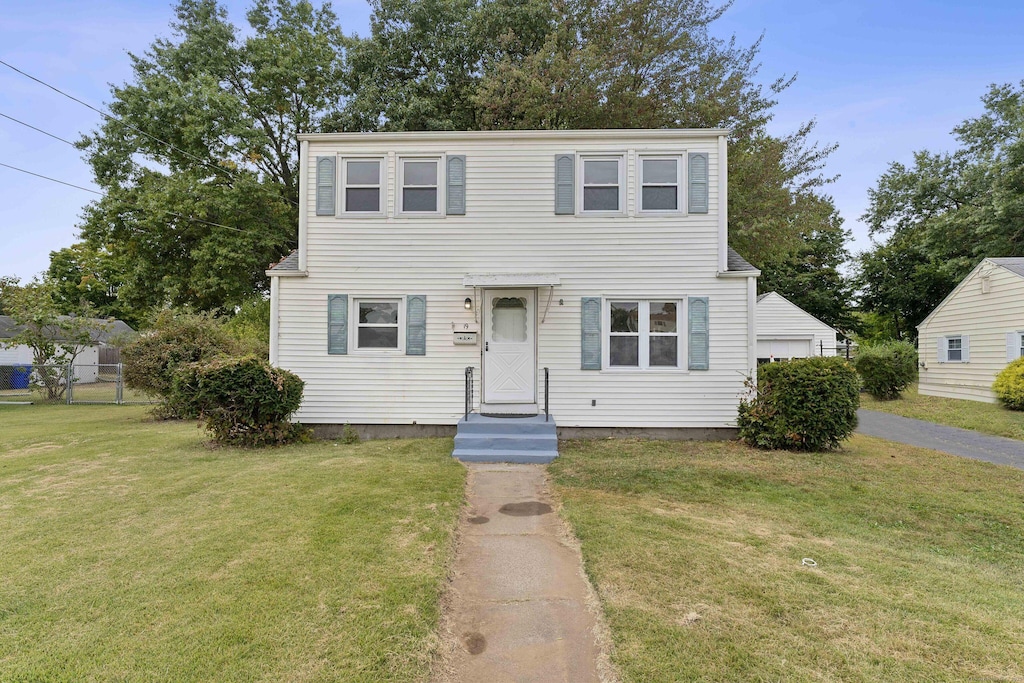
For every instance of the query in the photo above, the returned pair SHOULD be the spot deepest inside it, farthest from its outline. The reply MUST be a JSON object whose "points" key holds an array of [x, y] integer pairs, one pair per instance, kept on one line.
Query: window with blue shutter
{"points": [[698, 182], [416, 325], [565, 185], [325, 192], [337, 324], [699, 337], [456, 185], [590, 333]]}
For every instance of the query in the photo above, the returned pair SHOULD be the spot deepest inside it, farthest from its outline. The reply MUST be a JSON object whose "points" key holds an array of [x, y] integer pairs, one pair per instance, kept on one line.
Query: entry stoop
{"points": [[506, 439]]}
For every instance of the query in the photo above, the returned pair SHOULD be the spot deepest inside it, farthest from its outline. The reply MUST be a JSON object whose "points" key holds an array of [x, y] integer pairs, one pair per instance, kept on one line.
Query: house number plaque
{"points": [[465, 338]]}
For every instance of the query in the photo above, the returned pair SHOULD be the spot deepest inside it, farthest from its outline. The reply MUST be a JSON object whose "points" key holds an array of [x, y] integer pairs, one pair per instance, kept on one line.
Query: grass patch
{"points": [[696, 552], [133, 552], [989, 418]]}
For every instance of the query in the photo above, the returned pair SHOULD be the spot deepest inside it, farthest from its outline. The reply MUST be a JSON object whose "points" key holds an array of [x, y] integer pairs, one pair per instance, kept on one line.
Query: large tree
{"points": [[199, 162], [935, 219]]}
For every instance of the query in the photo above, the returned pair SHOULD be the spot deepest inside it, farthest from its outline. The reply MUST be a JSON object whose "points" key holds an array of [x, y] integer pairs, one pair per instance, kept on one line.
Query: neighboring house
{"points": [[87, 362], [600, 256], [976, 330], [784, 331]]}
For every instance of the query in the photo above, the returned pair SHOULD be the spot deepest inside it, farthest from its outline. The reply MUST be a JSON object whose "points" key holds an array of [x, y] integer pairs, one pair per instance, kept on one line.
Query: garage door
{"points": [[780, 349]]}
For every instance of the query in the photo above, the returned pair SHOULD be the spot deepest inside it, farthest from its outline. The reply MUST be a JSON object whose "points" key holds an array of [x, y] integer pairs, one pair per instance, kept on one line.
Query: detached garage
{"points": [[785, 331]]}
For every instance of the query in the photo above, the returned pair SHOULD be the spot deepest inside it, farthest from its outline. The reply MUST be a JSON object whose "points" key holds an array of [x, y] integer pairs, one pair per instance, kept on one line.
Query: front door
{"points": [[510, 372]]}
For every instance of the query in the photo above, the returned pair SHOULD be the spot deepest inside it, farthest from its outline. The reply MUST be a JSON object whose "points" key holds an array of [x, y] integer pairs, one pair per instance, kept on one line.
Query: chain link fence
{"points": [[77, 383]]}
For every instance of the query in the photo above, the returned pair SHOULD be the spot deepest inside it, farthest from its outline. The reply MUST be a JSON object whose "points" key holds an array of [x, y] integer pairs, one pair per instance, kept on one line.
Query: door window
{"points": [[508, 319]]}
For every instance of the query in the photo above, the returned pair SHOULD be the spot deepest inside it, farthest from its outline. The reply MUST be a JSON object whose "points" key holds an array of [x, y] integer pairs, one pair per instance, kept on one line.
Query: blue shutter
{"points": [[699, 342], [416, 325], [325, 192], [565, 185], [456, 185], [337, 324], [698, 175], [590, 333]]}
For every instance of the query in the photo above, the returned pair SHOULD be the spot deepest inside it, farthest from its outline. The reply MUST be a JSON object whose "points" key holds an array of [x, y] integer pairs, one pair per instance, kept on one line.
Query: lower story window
{"points": [[378, 323], [643, 334]]}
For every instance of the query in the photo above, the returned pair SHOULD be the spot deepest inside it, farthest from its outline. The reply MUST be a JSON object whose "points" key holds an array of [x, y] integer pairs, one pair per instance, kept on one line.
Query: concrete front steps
{"points": [[506, 439]]}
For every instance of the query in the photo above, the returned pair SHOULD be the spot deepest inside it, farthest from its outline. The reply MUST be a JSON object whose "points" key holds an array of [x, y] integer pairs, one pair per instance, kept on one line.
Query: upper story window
{"points": [[603, 187], [643, 334], [420, 186], [661, 179], [362, 186]]}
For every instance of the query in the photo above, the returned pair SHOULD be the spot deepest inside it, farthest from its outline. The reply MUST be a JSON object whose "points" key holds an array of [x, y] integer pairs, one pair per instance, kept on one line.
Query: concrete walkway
{"points": [[519, 607], [962, 442]]}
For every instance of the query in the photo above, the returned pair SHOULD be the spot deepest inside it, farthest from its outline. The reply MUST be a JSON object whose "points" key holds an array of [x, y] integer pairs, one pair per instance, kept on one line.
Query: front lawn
{"points": [[696, 551], [130, 551], [989, 418]]}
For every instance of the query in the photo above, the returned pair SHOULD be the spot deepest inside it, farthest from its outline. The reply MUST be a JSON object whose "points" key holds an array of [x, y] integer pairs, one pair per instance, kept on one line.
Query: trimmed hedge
{"points": [[887, 369], [1009, 385], [242, 401], [803, 405]]}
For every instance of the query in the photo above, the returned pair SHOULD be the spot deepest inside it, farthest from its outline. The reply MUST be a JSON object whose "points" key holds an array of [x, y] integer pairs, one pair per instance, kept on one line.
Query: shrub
{"points": [[250, 328], [1009, 385], [804, 405], [151, 360], [242, 401], [887, 369]]}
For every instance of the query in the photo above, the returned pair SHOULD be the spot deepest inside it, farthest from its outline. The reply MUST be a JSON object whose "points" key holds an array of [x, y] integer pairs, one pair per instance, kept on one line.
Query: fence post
{"points": [[69, 380], [119, 391]]}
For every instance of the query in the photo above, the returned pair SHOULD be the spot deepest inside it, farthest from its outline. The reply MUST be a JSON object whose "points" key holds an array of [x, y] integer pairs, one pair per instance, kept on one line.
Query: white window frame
{"points": [[441, 178], [1020, 344], [383, 186], [354, 327], [582, 159], [680, 185], [945, 345], [644, 334]]}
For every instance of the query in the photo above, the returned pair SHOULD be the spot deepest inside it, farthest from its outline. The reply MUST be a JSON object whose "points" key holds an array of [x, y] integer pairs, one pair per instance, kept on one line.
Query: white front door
{"points": [[510, 367]]}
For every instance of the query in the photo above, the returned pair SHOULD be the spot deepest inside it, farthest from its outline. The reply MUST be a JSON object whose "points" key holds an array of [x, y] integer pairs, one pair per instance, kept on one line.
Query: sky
{"points": [[882, 79]]}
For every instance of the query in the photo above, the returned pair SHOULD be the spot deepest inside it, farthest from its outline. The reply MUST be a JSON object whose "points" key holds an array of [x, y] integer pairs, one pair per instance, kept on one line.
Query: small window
{"points": [[378, 323], [954, 349], [363, 186], [1021, 344], [420, 187], [660, 180], [643, 334], [602, 185]]}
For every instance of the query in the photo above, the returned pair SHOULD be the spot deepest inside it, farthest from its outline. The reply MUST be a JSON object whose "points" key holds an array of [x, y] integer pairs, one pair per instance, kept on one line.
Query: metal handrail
{"points": [[547, 378], [469, 391]]}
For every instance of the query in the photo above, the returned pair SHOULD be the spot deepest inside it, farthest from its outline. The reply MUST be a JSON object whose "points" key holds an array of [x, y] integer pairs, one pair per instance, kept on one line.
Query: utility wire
{"points": [[86, 189], [40, 130]]}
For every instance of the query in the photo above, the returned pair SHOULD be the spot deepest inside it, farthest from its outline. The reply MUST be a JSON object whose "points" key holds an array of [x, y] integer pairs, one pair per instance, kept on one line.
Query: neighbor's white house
{"points": [[786, 331], [86, 362], [600, 256], [976, 330]]}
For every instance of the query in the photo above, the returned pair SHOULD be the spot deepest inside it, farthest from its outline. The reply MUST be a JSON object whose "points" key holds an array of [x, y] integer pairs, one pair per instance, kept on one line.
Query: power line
{"points": [[86, 189], [40, 130]]}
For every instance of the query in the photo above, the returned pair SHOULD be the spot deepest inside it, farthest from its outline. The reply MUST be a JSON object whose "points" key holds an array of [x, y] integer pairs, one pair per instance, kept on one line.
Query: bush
{"points": [[1009, 385], [151, 360], [250, 328], [242, 401], [803, 405], [887, 369]]}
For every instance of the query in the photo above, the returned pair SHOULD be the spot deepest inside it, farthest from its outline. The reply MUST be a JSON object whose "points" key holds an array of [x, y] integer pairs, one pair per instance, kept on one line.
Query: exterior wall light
{"points": [[469, 304]]}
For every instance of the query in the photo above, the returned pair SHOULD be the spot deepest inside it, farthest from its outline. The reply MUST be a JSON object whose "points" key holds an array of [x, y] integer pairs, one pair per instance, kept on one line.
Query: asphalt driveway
{"points": [[962, 442]]}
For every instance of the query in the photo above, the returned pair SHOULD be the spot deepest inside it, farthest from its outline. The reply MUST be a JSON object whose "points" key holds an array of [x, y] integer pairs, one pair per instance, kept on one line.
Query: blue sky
{"points": [[882, 79]]}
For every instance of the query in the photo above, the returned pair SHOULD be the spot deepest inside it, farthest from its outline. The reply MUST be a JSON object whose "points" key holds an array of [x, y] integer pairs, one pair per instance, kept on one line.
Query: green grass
{"points": [[132, 552], [989, 418], [696, 552]]}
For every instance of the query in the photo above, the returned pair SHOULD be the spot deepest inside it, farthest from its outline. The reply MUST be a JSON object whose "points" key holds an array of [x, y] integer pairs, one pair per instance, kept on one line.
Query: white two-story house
{"points": [[585, 271]]}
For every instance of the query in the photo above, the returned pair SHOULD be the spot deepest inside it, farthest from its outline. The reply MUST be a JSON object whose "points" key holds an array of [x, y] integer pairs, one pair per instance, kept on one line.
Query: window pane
{"points": [[421, 173], [378, 337], [625, 316], [954, 343], [660, 171], [664, 351], [508, 320], [663, 317], [624, 351], [954, 354], [600, 199], [362, 199], [659, 199], [600, 172], [419, 199], [378, 313], [363, 173]]}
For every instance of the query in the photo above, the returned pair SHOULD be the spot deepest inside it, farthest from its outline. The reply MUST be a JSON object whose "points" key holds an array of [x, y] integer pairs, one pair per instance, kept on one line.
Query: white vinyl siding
{"points": [[784, 330], [510, 228]]}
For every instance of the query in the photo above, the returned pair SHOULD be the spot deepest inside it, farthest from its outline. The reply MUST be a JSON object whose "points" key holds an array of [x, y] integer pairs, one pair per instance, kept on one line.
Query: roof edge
{"points": [[586, 133]]}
